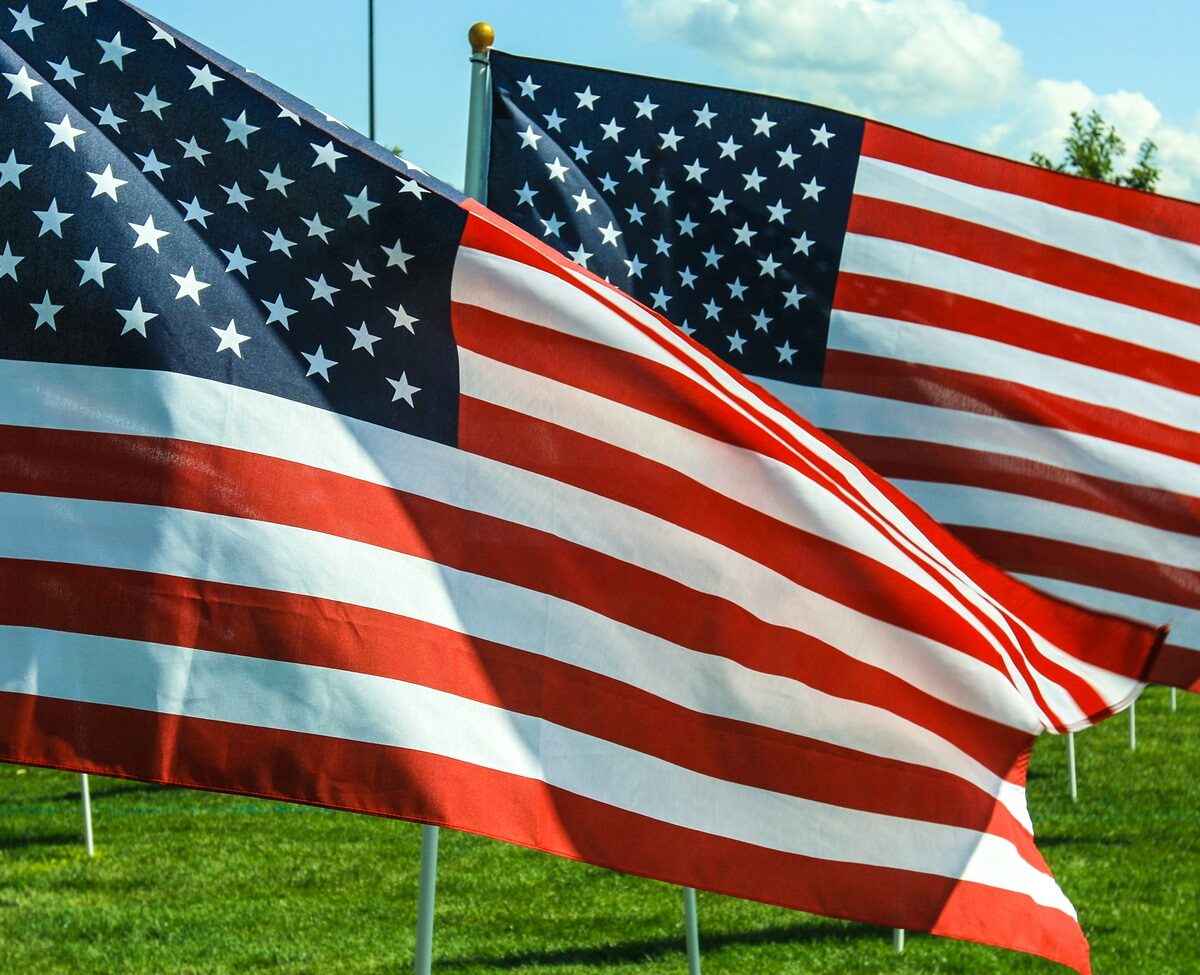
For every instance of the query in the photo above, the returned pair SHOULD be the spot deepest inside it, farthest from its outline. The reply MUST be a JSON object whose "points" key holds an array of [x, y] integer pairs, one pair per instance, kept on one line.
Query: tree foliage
{"points": [[1093, 147]]}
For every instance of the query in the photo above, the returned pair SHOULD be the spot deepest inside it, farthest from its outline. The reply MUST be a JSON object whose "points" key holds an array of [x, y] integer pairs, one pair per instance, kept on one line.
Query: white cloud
{"points": [[868, 55]]}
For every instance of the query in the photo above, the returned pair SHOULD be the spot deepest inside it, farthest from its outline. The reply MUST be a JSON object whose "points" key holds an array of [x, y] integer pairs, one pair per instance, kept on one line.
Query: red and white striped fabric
{"points": [[642, 615], [1019, 351]]}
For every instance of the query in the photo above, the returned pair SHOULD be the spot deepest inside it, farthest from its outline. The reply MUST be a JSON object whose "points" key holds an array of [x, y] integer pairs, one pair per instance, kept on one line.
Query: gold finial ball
{"points": [[482, 36]]}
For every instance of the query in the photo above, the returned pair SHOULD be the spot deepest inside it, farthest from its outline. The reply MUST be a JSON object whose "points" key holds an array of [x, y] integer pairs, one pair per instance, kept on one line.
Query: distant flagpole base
{"points": [[1133, 727], [898, 939], [1072, 776], [85, 798], [1174, 700], [423, 956], [691, 926]]}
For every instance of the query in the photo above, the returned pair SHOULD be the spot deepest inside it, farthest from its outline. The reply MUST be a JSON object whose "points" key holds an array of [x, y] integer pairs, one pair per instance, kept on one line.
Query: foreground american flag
{"points": [[1017, 350], [321, 484]]}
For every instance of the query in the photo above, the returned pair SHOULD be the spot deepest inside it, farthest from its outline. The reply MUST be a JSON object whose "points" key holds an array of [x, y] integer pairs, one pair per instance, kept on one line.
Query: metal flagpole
{"points": [[423, 956], [898, 939], [1174, 700], [691, 925], [1072, 780], [371, 69], [1133, 726], [85, 797]]}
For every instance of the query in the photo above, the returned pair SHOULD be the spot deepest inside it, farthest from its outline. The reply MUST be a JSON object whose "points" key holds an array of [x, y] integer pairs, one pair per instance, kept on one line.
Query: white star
{"points": [[280, 312], [203, 77], [704, 116], [529, 138], [148, 234], [812, 189], [80, 5], [230, 338], [586, 98], [114, 51], [768, 266], [65, 133], [743, 234], [553, 226], [610, 234], [189, 285], [413, 187], [660, 298], [316, 228], [136, 318], [153, 104], [159, 34], [695, 171], [711, 310], [802, 244], [557, 170], [670, 140], [778, 212], [397, 256], [711, 257], [108, 117], [64, 72], [9, 262], [645, 108], [580, 256], [661, 245], [22, 83], [791, 299], [236, 196], [763, 126], [322, 290], [686, 328], [192, 150], [276, 180], [52, 219], [24, 22], [635, 267], [46, 310], [753, 180], [612, 130], [358, 273], [735, 342], [106, 183], [635, 214], [402, 389], [608, 184], [687, 278], [239, 129], [637, 161], [661, 193], [326, 155], [554, 120], [822, 136], [288, 114], [528, 86], [93, 268], [194, 211], [687, 225], [729, 148], [720, 202], [583, 202], [318, 365], [581, 151], [152, 164], [403, 319], [360, 206], [363, 339], [787, 157], [786, 352], [279, 242], [761, 320], [237, 261], [525, 195], [736, 289]]}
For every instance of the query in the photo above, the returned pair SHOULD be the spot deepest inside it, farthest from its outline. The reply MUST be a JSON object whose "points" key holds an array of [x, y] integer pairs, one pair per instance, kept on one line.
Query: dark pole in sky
{"points": [[371, 68]]}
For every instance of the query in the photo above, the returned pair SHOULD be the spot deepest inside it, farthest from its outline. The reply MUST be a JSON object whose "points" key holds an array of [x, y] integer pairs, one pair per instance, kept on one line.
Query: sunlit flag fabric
{"points": [[1017, 350], [323, 485]]}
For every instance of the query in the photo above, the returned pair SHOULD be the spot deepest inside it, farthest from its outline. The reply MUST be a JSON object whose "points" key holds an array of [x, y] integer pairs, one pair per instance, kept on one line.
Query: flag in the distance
{"points": [[1018, 350], [318, 484]]}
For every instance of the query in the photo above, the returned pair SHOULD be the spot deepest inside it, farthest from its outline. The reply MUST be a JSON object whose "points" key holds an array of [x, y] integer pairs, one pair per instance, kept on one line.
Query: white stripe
{"points": [[358, 707], [882, 258], [948, 349], [1184, 621], [836, 410], [956, 504], [282, 558], [1104, 240]]}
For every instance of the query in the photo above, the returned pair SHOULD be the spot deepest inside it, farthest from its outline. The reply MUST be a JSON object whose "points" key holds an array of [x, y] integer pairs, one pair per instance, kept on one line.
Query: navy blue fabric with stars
{"points": [[724, 211], [164, 208]]}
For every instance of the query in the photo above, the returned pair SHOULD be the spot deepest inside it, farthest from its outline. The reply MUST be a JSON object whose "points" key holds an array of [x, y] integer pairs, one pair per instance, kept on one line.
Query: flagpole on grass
{"points": [[1072, 779], [423, 955], [1174, 700], [691, 926], [1133, 726], [85, 798], [898, 939]]}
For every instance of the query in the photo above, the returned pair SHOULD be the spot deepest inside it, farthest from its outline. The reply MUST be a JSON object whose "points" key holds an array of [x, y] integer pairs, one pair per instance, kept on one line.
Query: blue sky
{"points": [[999, 74]]}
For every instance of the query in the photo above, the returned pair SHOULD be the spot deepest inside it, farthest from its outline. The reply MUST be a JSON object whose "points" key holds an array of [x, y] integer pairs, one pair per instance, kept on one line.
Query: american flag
{"points": [[322, 484], [1017, 350]]}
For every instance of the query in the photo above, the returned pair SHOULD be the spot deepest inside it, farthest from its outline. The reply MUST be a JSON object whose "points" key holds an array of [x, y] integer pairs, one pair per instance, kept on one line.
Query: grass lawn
{"points": [[188, 882]]}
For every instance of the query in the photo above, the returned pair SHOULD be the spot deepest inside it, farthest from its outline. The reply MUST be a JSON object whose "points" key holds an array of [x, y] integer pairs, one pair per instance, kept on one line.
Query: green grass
{"points": [[188, 882]]}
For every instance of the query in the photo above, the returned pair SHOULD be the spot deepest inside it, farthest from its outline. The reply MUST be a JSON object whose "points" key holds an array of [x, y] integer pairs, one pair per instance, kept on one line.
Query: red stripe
{"points": [[205, 478], [1022, 256], [969, 316], [922, 460], [1146, 211], [306, 630], [1177, 667], [1015, 552], [953, 389], [433, 789]]}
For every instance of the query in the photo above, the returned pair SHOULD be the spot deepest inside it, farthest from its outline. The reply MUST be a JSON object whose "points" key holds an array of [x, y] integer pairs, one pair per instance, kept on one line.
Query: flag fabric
{"points": [[320, 483], [1016, 349]]}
